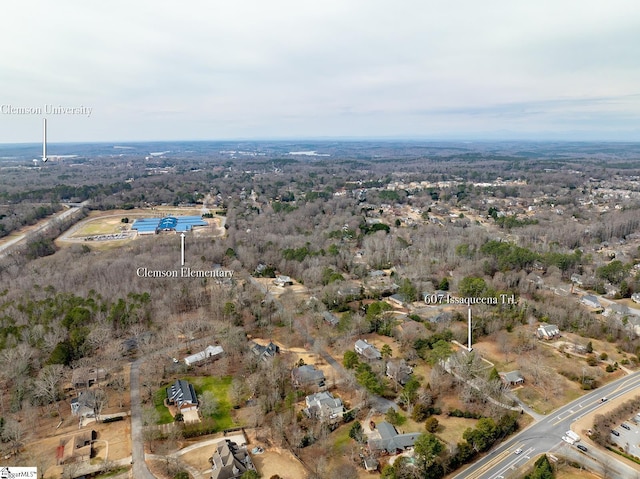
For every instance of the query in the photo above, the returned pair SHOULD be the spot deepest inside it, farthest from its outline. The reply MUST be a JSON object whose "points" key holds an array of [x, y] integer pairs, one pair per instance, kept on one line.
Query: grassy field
{"points": [[452, 428], [100, 226], [341, 438], [158, 403], [220, 388]]}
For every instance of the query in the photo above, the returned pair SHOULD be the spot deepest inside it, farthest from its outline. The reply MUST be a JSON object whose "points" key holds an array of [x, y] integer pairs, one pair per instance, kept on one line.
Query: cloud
{"points": [[252, 68]]}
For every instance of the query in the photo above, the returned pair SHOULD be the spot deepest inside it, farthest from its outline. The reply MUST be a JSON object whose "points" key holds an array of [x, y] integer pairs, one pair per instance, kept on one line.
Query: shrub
{"points": [[431, 424]]}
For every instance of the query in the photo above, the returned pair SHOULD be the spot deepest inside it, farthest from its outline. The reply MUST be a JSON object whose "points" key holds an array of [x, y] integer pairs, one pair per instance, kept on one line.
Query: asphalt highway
{"points": [[545, 436]]}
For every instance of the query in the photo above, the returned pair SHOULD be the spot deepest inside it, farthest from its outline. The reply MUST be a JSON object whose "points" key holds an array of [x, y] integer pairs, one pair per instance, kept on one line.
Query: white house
{"points": [[213, 352], [282, 281], [324, 406], [367, 350], [548, 331]]}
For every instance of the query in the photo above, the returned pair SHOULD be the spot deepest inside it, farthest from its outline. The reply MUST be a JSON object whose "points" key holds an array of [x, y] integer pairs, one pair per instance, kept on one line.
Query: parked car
{"points": [[614, 432], [625, 426], [582, 448]]}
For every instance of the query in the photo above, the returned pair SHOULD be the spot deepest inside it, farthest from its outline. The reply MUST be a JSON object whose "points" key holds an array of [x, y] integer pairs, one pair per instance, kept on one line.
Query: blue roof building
{"points": [[178, 224]]}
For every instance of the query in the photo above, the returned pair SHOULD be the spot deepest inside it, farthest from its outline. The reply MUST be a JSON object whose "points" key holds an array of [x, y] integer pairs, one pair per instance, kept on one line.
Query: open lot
{"points": [[273, 461]]}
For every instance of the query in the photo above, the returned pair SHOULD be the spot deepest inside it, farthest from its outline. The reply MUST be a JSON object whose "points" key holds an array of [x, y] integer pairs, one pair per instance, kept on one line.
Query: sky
{"points": [[280, 69]]}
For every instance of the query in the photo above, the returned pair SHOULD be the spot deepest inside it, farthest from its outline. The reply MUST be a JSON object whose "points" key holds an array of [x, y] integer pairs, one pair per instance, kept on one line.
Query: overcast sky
{"points": [[209, 70]]}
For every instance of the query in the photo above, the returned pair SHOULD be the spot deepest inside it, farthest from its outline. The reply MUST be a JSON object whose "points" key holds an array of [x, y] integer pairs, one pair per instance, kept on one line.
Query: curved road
{"points": [[545, 436]]}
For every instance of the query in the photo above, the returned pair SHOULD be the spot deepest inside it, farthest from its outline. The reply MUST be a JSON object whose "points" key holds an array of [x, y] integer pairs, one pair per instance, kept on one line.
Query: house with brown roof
{"points": [[229, 461], [85, 377]]}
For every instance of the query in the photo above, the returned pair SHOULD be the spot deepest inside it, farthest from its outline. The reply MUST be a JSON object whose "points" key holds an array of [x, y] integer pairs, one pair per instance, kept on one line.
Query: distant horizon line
{"points": [[352, 139]]}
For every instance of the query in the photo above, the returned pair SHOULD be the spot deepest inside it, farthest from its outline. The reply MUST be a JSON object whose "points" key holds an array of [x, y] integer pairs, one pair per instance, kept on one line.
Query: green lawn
{"points": [[158, 403], [341, 438], [219, 387]]}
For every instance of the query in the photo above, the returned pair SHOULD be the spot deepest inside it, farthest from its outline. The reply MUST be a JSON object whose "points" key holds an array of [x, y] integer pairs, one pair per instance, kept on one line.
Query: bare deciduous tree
{"points": [[47, 385]]}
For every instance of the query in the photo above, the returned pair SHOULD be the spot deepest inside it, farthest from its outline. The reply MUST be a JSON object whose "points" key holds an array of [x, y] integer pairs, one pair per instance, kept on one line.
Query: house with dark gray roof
{"points": [[387, 440], [616, 310], [591, 301], [84, 405], [512, 378], [307, 375], [182, 395], [399, 371], [330, 318], [264, 353]]}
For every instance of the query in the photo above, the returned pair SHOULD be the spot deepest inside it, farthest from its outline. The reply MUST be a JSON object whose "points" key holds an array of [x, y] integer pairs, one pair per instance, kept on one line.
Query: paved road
{"points": [[545, 436], [41, 227]]}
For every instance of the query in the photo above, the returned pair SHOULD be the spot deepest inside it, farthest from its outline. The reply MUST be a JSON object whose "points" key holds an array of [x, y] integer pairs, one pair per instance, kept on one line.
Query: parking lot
{"points": [[629, 439]]}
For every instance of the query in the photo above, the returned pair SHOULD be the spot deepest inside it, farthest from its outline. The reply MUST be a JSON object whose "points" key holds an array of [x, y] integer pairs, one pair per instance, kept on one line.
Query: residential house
{"points": [[84, 405], [86, 377], [577, 279], [591, 301], [399, 371], [330, 318], [182, 395], [283, 281], [230, 461], [512, 378], [307, 375], [367, 350], [371, 464], [349, 290], [210, 352], [387, 440], [635, 297], [264, 353], [324, 406], [615, 309], [548, 331], [397, 300], [634, 324]]}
